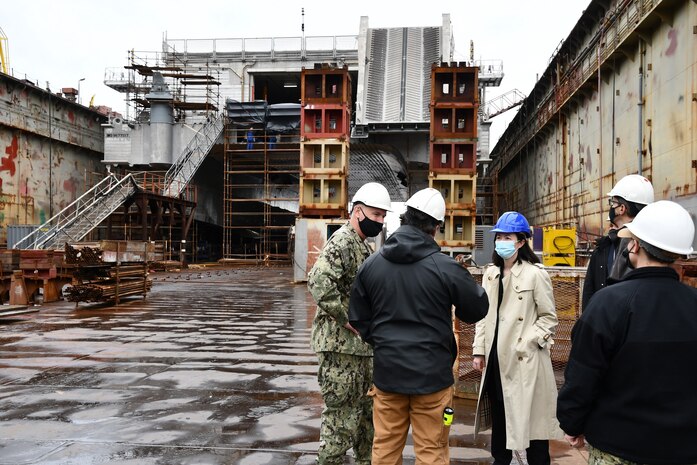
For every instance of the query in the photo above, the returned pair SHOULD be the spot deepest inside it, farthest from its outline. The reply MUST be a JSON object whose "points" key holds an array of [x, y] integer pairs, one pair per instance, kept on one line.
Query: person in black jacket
{"points": [[629, 386], [631, 193], [401, 304]]}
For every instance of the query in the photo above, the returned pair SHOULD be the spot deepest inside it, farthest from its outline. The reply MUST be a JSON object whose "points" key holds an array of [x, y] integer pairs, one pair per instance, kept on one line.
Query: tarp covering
{"points": [[246, 113], [280, 118], [283, 118]]}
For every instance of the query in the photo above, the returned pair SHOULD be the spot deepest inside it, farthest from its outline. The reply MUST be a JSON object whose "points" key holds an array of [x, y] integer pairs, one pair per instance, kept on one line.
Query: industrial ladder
{"points": [[181, 172], [77, 219], [84, 214]]}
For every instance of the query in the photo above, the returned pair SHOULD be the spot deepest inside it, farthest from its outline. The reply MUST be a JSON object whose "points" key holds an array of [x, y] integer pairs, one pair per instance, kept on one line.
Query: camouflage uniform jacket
{"points": [[330, 282]]}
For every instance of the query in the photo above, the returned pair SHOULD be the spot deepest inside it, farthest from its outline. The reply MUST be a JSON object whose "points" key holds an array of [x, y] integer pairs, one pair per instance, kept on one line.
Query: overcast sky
{"points": [[63, 41]]}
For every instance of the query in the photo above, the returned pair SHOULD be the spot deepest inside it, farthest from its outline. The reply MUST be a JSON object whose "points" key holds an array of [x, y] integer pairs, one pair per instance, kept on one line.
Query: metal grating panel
{"points": [[393, 74], [376, 75], [398, 73], [479, 238], [431, 54], [413, 84]]}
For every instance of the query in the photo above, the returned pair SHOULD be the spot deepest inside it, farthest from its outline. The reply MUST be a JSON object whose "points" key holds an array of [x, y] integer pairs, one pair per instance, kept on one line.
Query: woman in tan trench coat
{"points": [[512, 349]]}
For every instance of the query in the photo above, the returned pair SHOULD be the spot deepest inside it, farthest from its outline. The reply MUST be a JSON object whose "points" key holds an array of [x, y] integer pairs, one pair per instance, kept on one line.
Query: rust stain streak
{"points": [[673, 45]]}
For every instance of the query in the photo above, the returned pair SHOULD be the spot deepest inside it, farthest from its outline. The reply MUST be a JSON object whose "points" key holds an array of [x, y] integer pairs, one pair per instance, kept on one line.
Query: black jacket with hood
{"points": [[401, 303], [600, 265]]}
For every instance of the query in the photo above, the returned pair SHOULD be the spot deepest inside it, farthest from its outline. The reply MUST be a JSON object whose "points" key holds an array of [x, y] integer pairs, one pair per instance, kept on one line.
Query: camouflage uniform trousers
{"points": [[598, 457], [347, 418]]}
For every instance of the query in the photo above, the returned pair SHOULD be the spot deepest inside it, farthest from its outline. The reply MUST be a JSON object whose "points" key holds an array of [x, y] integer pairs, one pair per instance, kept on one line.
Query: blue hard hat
{"points": [[512, 222]]}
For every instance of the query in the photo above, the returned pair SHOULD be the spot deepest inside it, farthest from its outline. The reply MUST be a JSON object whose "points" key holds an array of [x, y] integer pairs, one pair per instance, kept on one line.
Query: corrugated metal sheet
{"points": [[17, 232], [398, 73], [431, 54], [394, 74], [413, 71]]}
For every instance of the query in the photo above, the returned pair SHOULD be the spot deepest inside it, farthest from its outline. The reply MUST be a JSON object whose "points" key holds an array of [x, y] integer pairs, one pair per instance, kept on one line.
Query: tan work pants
{"points": [[392, 415]]}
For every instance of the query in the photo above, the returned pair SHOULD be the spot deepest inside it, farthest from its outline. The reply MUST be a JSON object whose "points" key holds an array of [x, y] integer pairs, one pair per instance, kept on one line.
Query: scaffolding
{"points": [[195, 87], [325, 128], [261, 171], [486, 191]]}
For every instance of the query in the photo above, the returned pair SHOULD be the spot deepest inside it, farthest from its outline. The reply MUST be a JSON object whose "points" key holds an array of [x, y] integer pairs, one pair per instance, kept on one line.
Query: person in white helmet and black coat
{"points": [[629, 386], [401, 304], [609, 259]]}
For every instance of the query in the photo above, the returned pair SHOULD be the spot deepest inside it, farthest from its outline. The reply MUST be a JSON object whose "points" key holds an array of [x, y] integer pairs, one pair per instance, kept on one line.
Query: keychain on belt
{"points": [[448, 416]]}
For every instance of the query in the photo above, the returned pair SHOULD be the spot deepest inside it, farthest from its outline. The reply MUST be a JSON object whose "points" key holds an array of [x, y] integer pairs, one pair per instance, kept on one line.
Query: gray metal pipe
{"points": [[642, 51]]}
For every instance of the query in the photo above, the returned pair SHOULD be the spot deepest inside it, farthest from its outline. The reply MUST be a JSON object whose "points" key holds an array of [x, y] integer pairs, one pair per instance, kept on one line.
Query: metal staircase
{"points": [[501, 104], [84, 214], [181, 172], [87, 212]]}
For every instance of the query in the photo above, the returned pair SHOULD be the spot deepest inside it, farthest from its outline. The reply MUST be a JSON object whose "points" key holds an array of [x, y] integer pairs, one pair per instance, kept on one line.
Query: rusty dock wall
{"points": [[50, 149], [618, 97]]}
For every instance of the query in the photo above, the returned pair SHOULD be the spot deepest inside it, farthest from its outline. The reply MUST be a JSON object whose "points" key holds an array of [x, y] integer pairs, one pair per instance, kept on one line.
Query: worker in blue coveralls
{"points": [[250, 139]]}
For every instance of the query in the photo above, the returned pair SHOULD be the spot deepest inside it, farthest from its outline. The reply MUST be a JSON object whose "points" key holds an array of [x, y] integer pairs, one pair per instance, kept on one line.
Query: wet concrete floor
{"points": [[214, 367]]}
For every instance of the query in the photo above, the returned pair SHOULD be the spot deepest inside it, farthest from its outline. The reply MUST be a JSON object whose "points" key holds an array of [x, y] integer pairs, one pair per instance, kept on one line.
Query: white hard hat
{"points": [[373, 194], [665, 225], [429, 201], [633, 188]]}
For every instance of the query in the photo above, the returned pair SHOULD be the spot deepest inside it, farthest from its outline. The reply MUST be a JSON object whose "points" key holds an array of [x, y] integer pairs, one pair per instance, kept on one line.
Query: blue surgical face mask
{"points": [[505, 249]]}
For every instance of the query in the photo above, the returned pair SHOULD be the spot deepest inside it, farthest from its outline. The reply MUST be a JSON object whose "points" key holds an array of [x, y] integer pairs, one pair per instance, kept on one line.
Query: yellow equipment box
{"points": [[559, 247]]}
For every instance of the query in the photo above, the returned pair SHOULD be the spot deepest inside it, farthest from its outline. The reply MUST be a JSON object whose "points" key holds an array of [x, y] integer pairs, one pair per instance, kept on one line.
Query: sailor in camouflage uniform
{"points": [[345, 361]]}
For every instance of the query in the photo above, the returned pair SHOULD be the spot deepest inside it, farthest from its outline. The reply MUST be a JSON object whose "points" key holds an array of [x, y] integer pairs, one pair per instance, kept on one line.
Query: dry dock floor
{"points": [[214, 367]]}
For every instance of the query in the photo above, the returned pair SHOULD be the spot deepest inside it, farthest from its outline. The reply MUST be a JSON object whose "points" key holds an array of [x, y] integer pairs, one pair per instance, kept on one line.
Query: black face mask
{"points": [[369, 228], [625, 254], [613, 215]]}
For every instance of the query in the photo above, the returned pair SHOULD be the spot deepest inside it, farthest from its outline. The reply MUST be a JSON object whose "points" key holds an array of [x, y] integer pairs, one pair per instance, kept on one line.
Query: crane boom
{"points": [[4, 52]]}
